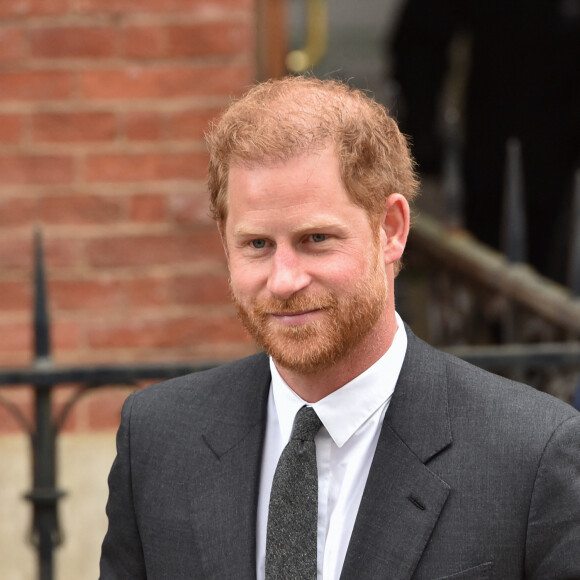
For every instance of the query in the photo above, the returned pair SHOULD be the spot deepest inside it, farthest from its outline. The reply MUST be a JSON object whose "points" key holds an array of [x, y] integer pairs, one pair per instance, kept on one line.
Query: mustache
{"points": [[297, 303]]}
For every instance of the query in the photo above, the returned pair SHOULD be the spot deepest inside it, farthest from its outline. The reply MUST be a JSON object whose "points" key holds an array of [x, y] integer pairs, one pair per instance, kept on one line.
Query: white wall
{"points": [[84, 463]]}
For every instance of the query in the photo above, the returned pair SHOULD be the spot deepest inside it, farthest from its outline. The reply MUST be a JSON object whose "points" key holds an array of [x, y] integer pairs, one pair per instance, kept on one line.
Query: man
{"points": [[427, 467]]}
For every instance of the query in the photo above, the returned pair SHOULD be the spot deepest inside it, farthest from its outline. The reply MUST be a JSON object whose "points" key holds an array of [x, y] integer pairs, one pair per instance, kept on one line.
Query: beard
{"points": [[316, 346]]}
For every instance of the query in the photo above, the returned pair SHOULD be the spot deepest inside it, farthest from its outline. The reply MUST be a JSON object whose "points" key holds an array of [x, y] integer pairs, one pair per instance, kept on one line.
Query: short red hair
{"points": [[280, 119]]}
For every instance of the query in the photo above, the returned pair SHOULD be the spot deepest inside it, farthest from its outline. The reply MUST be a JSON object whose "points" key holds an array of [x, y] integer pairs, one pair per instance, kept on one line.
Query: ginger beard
{"points": [[315, 346]]}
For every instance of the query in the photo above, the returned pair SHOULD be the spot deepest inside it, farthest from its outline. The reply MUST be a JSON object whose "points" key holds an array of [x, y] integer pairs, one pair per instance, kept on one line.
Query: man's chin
{"points": [[302, 356], [302, 366]]}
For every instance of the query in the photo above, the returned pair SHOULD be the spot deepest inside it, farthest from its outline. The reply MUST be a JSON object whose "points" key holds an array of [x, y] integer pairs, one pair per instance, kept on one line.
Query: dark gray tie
{"points": [[291, 542]]}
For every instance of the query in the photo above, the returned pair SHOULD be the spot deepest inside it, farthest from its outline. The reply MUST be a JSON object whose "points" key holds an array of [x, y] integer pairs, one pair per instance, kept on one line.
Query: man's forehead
{"points": [[317, 170], [273, 158]]}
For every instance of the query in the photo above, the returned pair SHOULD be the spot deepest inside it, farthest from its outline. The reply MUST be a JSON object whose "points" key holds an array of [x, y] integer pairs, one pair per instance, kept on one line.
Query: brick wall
{"points": [[103, 104]]}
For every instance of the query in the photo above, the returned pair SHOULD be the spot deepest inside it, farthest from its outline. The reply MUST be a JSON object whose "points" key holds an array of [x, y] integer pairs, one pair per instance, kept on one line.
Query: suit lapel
{"points": [[403, 498], [223, 492]]}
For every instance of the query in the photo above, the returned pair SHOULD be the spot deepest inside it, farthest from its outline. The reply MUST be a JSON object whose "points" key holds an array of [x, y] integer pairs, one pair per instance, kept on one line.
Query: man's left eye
{"points": [[318, 237]]}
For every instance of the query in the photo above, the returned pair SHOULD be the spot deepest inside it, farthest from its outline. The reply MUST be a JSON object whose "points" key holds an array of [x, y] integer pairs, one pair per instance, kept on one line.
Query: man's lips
{"points": [[299, 317]]}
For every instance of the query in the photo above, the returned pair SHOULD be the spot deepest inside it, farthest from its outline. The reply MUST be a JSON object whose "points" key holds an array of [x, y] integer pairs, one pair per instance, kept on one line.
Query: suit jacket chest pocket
{"points": [[481, 572]]}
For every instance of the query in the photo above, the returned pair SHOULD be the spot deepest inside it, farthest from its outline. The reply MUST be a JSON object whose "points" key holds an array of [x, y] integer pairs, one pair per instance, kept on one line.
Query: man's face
{"points": [[307, 273]]}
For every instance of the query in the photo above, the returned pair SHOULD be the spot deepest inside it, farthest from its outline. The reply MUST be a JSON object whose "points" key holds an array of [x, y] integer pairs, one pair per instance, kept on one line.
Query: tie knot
{"points": [[306, 424]]}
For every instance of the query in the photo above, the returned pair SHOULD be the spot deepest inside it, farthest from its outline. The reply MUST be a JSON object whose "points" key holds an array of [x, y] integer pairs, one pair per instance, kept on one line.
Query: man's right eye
{"points": [[258, 244]]}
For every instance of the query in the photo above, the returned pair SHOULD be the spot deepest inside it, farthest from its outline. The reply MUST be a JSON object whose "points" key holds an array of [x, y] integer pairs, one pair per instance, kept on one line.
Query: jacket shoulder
{"points": [[245, 379], [485, 398]]}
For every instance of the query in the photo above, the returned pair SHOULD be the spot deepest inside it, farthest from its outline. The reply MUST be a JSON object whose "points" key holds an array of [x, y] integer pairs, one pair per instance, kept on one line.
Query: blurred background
{"points": [[112, 274]]}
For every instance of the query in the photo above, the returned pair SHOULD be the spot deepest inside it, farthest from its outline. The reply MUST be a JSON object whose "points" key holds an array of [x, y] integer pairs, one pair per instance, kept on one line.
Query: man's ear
{"points": [[395, 224], [221, 226]]}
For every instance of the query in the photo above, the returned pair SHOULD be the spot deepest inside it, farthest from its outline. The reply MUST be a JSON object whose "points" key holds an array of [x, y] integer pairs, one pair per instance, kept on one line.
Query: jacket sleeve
{"points": [[122, 553], [553, 538]]}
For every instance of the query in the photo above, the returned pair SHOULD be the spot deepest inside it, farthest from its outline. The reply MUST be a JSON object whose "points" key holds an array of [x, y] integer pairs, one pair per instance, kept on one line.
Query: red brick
{"points": [[17, 211], [116, 251], [15, 359], [15, 253], [73, 42], [146, 292], [191, 124], [164, 81], [85, 294], [11, 130], [66, 335], [216, 329], [144, 167], [192, 290], [74, 127], [12, 44], [15, 337], [144, 126], [80, 209], [246, 5], [35, 169], [159, 6], [15, 295], [145, 42], [209, 39], [14, 8], [104, 408], [167, 333], [201, 39], [62, 253], [148, 208], [35, 85], [190, 208]]}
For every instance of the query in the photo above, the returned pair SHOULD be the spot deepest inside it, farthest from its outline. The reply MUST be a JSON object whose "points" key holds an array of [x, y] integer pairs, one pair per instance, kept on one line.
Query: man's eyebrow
{"points": [[245, 230], [320, 224], [242, 230]]}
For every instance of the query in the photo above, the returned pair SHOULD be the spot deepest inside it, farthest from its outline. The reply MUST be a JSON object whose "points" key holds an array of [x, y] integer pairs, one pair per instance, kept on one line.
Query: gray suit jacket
{"points": [[474, 477]]}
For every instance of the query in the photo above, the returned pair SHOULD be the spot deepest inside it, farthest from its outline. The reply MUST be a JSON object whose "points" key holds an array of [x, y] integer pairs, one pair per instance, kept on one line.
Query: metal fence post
{"points": [[44, 496], [513, 226], [44, 428]]}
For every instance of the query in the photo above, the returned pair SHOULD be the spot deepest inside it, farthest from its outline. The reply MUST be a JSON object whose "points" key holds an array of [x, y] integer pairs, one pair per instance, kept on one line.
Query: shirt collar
{"points": [[344, 411]]}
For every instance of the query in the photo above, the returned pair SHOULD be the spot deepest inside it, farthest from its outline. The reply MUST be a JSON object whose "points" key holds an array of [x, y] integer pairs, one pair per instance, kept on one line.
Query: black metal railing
{"points": [[500, 316], [44, 377], [490, 307]]}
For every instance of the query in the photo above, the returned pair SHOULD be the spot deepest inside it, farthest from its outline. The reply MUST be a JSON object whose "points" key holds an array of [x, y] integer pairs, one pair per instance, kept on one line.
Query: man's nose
{"points": [[287, 275]]}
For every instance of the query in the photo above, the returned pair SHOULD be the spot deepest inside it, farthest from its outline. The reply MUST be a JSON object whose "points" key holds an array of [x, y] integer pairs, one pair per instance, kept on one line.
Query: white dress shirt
{"points": [[352, 418]]}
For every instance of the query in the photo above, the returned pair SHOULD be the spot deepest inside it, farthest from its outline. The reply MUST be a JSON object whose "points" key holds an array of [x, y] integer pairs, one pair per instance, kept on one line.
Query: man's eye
{"points": [[258, 244], [318, 237]]}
